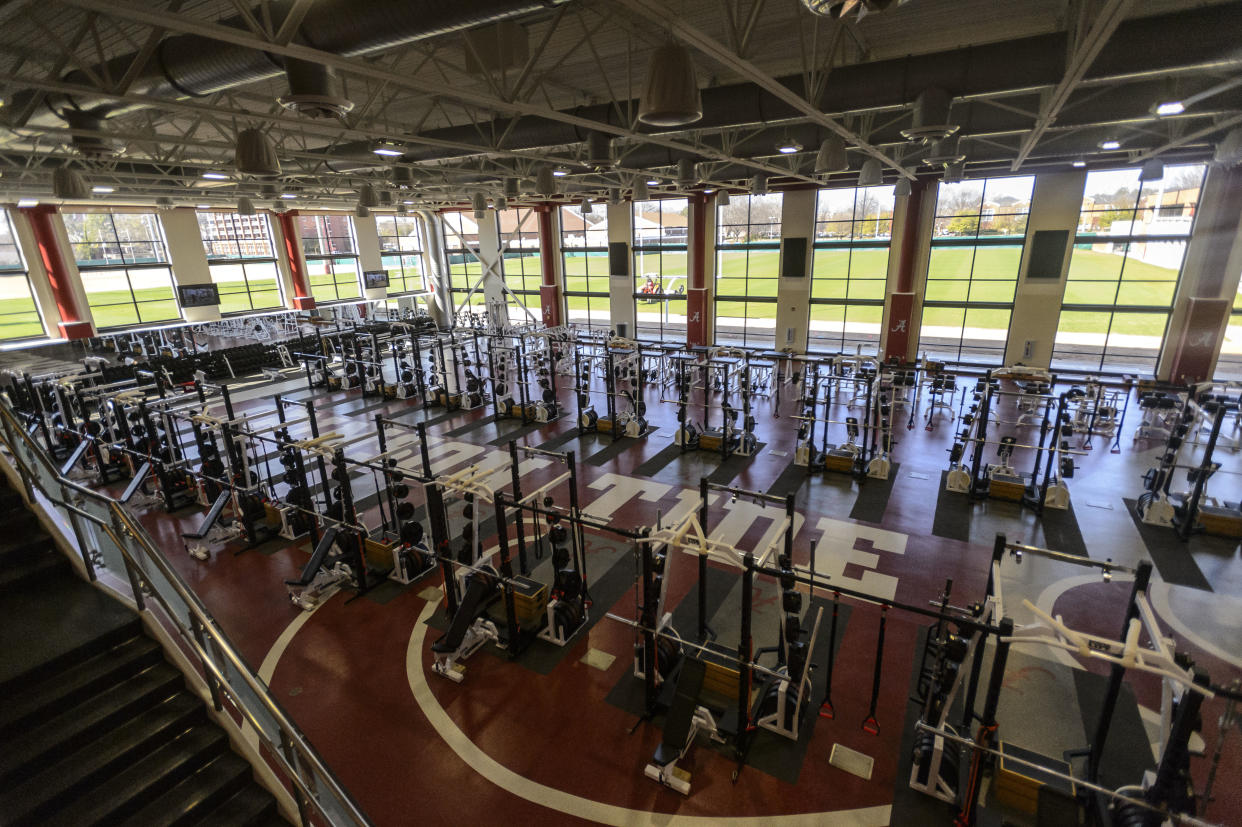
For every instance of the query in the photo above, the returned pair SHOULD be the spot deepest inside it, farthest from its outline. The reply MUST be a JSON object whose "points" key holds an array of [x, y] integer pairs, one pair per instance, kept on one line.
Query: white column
{"points": [[366, 233], [40, 285], [1055, 204], [621, 285], [187, 257], [489, 260], [793, 294]]}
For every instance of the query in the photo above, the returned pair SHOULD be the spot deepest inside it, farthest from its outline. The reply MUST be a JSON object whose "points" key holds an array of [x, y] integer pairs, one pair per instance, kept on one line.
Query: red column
{"points": [[72, 325], [303, 299], [696, 295], [901, 300], [549, 292]]}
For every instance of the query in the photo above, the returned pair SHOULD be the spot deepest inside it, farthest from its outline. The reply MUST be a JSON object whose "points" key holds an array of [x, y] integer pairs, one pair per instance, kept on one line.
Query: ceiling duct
{"points": [[599, 150], [686, 174], [954, 172], [385, 198], [314, 90], [614, 196], [367, 196], [671, 95], [1229, 150], [90, 146], [69, 185], [402, 177], [759, 184], [945, 151], [500, 203], [641, 193], [512, 188], [255, 155], [831, 156], [268, 191], [245, 206], [478, 203], [545, 182], [494, 49], [930, 121]]}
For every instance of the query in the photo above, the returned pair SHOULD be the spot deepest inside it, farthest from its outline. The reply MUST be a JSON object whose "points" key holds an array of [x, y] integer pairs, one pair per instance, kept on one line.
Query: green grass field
{"points": [[842, 274]]}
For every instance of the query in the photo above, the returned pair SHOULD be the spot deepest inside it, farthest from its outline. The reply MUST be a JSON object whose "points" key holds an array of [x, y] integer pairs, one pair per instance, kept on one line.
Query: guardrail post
{"points": [[291, 756], [196, 627]]}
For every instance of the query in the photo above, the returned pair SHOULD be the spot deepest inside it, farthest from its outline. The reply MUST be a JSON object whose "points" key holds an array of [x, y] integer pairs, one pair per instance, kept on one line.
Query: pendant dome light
{"points": [[930, 120], [722, 198], [599, 150], [903, 187], [585, 206], [640, 190], [367, 196], [362, 211], [245, 206], [831, 157], [402, 177], [954, 172], [500, 203], [614, 196], [255, 154], [759, 184], [69, 185], [871, 174], [671, 94], [686, 174], [511, 188]]}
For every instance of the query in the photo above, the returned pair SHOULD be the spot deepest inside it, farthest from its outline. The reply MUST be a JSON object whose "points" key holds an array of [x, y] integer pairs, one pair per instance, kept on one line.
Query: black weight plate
{"points": [[405, 510]]}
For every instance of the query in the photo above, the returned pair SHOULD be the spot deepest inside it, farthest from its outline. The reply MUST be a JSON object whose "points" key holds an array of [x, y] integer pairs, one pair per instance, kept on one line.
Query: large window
{"points": [[661, 234], [972, 274], [331, 256], [748, 252], [461, 240], [19, 315], [853, 230], [1229, 365], [521, 261], [401, 252], [1123, 272], [124, 265], [584, 259], [242, 260]]}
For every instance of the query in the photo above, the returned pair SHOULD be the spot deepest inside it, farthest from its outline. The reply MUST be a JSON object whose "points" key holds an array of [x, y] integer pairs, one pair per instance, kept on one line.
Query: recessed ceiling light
{"points": [[1080, 162], [789, 147], [1110, 144], [1166, 108], [215, 176], [288, 195], [28, 202], [99, 188]]}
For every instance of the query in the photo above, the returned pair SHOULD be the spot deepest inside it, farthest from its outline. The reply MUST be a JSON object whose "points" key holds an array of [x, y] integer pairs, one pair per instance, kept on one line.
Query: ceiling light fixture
{"points": [[245, 206], [788, 147], [1110, 143], [640, 190], [671, 94], [288, 195], [722, 198], [831, 156], [871, 174], [215, 176], [1079, 162], [902, 187], [101, 189], [28, 202], [560, 172], [255, 154], [1166, 108], [388, 149], [651, 182], [202, 206]]}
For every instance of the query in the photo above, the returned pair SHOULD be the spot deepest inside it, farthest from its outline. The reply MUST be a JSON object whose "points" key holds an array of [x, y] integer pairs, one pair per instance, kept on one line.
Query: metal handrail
{"points": [[124, 523]]}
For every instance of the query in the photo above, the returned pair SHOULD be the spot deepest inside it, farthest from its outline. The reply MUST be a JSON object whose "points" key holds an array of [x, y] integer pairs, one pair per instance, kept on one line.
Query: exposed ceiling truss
{"points": [[467, 120]]}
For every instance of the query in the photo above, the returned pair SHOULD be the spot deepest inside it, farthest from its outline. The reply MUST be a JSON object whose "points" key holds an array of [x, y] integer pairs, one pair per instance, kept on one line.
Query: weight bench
{"points": [[318, 582], [199, 549], [684, 720], [469, 629], [140, 476]]}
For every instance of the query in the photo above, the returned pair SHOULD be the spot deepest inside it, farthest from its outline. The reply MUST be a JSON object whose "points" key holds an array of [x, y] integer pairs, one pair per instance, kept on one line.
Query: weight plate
{"points": [[405, 510]]}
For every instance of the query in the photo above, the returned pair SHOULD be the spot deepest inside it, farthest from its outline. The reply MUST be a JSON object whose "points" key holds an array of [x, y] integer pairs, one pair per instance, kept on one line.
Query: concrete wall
{"points": [[621, 285]]}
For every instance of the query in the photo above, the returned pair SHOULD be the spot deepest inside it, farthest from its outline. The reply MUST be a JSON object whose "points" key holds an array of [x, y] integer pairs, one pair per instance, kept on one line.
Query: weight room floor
{"points": [[545, 737]]}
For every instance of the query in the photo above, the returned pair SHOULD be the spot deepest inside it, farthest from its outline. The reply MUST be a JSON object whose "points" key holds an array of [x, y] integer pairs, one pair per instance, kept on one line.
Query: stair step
{"points": [[36, 797], [252, 806], [143, 781], [29, 752], [195, 796], [67, 688], [15, 574], [14, 548]]}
